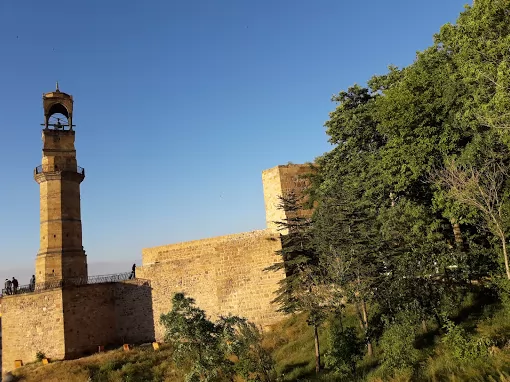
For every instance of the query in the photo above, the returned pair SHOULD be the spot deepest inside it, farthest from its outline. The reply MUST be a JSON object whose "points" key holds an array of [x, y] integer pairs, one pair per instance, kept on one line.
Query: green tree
{"points": [[196, 340], [346, 350], [397, 345], [389, 136], [243, 340], [216, 351], [479, 44], [300, 290], [348, 195], [389, 238]]}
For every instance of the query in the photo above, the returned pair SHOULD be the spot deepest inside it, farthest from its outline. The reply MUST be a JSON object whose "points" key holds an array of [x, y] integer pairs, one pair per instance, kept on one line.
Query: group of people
{"points": [[11, 286]]}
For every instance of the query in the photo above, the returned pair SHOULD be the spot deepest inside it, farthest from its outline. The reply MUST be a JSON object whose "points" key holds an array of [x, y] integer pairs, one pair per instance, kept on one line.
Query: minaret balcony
{"points": [[48, 172], [41, 169]]}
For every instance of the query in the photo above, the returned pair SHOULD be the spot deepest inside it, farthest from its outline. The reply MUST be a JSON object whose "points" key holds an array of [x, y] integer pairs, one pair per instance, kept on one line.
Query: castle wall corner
{"points": [[278, 182]]}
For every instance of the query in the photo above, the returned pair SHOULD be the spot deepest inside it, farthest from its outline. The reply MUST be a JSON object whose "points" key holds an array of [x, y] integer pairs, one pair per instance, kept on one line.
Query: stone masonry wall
{"points": [[89, 318], [133, 313], [74, 321], [279, 181], [32, 323], [107, 314], [223, 274]]}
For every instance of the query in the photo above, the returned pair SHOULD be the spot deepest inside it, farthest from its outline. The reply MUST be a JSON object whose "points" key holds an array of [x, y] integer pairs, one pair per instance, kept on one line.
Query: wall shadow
{"points": [[134, 311], [107, 315]]}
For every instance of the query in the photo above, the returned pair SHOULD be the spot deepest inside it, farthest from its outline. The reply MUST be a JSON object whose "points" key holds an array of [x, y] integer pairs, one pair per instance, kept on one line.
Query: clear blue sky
{"points": [[180, 105]]}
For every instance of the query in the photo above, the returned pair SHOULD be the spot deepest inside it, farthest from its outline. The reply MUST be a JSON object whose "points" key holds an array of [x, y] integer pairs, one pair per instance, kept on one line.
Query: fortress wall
{"points": [[223, 274], [32, 323], [74, 321], [280, 181], [134, 313], [89, 318]]}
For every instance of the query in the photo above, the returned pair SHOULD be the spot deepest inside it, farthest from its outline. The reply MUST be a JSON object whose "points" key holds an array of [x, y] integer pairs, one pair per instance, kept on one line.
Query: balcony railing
{"points": [[40, 287], [41, 169]]}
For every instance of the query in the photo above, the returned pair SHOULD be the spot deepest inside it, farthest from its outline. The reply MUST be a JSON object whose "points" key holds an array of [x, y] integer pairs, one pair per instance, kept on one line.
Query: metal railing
{"points": [[78, 281], [40, 169]]}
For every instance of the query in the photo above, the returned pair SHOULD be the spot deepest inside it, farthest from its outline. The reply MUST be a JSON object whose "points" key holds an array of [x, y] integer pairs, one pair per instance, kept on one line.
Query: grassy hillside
{"points": [[291, 343], [139, 364]]}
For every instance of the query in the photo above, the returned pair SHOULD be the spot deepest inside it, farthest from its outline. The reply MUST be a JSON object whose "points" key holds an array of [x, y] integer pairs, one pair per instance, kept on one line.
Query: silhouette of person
{"points": [[14, 285], [32, 283], [133, 272], [7, 286]]}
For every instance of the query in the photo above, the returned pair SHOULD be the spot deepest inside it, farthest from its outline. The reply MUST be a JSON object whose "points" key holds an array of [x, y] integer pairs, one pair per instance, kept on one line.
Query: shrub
{"points": [[502, 287], [245, 342], [215, 351], [346, 349], [40, 356], [463, 347], [397, 345]]}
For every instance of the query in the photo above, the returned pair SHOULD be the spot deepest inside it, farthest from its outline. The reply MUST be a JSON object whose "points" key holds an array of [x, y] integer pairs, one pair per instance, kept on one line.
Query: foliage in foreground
{"points": [[215, 351]]}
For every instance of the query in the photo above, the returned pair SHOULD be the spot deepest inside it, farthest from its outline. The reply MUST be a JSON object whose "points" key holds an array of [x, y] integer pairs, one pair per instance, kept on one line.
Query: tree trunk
{"points": [[424, 326], [317, 352], [438, 321], [370, 351], [392, 198], [357, 305], [457, 233], [505, 253]]}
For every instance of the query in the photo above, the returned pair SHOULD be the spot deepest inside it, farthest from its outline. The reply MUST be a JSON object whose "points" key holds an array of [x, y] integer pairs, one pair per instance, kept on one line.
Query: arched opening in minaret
{"points": [[58, 117], [58, 108], [58, 121]]}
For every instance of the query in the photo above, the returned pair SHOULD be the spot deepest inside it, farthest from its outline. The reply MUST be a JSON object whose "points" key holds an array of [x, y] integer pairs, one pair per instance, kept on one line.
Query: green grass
{"points": [[293, 347]]}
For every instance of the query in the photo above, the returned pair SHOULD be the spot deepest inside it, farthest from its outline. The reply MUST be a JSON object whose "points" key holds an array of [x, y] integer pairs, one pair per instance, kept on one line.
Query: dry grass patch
{"points": [[140, 364]]}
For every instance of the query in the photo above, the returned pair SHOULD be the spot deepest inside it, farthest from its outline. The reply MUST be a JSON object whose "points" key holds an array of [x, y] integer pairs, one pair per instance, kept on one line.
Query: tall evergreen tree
{"points": [[299, 291]]}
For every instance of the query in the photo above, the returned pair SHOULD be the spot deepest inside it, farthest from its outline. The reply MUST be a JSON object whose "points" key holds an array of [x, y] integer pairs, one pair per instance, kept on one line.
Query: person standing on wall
{"points": [[133, 272], [14, 285], [32, 283], [7, 286]]}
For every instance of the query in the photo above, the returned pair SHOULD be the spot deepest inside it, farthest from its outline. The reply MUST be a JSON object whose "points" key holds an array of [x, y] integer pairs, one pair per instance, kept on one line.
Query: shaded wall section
{"points": [[133, 313], [89, 318], [107, 314], [280, 181], [32, 323], [223, 274]]}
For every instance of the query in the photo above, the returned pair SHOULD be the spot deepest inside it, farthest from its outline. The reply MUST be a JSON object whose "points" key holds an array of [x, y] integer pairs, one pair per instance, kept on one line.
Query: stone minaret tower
{"points": [[61, 254]]}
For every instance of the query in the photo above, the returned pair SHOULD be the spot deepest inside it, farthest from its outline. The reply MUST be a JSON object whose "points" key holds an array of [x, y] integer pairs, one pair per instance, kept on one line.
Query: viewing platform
{"points": [[43, 169], [74, 282]]}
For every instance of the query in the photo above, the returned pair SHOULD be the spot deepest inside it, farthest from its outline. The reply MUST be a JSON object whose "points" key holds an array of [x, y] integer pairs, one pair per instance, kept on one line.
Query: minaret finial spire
{"points": [[57, 87]]}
